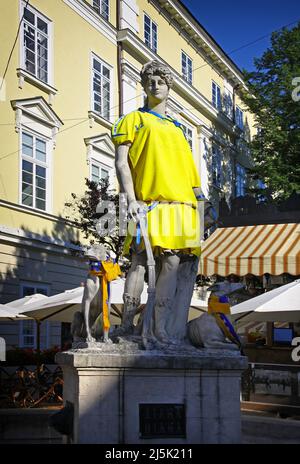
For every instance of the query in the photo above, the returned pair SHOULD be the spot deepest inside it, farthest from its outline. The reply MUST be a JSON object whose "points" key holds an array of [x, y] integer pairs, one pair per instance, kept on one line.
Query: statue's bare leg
{"points": [[90, 290], [134, 286], [165, 293]]}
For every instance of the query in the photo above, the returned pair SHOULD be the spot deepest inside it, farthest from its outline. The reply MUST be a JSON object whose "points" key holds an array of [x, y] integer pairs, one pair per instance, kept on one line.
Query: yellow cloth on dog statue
{"points": [[107, 272]]}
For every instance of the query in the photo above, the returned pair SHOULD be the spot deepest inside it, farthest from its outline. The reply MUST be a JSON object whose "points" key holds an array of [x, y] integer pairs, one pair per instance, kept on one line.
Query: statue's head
{"points": [[96, 252], [155, 68], [157, 80]]}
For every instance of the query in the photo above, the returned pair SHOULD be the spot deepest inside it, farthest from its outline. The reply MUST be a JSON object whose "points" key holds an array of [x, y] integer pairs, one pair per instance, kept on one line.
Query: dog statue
{"points": [[91, 324], [213, 329]]}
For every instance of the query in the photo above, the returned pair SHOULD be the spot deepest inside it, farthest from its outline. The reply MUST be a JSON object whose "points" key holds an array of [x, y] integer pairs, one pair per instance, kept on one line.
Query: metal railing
{"points": [[24, 387], [271, 379]]}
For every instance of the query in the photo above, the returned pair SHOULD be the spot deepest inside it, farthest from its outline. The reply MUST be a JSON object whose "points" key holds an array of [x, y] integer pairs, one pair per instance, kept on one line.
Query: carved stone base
{"points": [[181, 395]]}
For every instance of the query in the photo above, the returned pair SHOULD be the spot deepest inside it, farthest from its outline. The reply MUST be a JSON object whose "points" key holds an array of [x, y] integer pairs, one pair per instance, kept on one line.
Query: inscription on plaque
{"points": [[162, 421]]}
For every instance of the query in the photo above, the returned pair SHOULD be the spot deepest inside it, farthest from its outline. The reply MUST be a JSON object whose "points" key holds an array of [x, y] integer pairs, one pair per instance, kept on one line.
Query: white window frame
{"points": [[240, 182], [50, 34], [21, 323], [188, 76], [217, 167], [46, 165], [100, 165], [189, 137], [101, 153], [216, 104], [228, 104], [239, 117], [110, 68], [99, 8], [152, 45]]}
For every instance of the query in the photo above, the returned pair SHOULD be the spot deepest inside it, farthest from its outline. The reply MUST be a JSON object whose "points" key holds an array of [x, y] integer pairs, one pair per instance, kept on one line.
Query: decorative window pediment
{"points": [[100, 158], [101, 144], [36, 114]]}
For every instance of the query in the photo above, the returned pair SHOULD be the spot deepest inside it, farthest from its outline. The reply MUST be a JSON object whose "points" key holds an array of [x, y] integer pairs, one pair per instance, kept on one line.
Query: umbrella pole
{"points": [[38, 345]]}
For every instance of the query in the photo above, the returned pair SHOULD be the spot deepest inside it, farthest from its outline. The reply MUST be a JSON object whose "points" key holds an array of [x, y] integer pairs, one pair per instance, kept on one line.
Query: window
{"points": [[28, 328], [188, 133], [98, 172], [228, 104], [239, 118], [101, 88], [216, 96], [34, 171], [187, 68], [101, 159], [216, 166], [102, 7], [36, 33], [150, 33], [240, 181]]}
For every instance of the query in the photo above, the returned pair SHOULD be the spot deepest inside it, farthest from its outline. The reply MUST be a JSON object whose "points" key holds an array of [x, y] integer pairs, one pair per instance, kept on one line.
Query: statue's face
{"points": [[156, 89]]}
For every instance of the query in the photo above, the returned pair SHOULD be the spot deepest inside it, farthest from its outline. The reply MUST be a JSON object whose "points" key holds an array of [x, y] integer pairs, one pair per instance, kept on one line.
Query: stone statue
{"points": [[156, 170], [213, 329], [89, 324], [205, 332]]}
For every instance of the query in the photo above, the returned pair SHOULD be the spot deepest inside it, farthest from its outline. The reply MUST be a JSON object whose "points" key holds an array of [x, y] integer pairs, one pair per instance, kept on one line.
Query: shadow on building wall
{"points": [[39, 263]]}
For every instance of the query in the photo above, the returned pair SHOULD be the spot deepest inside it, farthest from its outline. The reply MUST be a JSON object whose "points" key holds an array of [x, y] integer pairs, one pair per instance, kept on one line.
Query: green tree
{"points": [[275, 100], [83, 211]]}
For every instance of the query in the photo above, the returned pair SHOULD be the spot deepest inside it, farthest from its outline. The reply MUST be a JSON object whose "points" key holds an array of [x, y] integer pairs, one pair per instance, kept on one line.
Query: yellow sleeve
{"points": [[124, 129]]}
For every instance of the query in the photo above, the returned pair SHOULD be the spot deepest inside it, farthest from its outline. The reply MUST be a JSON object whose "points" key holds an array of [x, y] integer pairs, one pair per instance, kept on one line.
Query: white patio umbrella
{"points": [[279, 305], [58, 308], [16, 307], [26, 300], [10, 313], [61, 307]]}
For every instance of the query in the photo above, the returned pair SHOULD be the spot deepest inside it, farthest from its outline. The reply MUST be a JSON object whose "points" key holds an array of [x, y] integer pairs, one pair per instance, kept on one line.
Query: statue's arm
{"points": [[197, 191], [125, 178]]}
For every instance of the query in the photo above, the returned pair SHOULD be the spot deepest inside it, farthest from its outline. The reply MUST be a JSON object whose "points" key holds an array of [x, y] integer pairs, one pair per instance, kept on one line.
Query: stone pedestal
{"points": [[129, 396]]}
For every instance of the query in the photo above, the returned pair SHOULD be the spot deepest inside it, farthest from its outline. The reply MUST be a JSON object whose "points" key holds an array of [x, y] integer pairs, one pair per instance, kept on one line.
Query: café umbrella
{"points": [[279, 305], [62, 307], [10, 314]]}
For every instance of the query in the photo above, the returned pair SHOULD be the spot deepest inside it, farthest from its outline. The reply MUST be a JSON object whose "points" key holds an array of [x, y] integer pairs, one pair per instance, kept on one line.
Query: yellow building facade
{"points": [[73, 71]]}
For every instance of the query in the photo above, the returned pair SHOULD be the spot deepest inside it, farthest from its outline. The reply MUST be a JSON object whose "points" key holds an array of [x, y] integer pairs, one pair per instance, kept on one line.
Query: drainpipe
{"points": [[119, 60], [233, 101], [235, 140]]}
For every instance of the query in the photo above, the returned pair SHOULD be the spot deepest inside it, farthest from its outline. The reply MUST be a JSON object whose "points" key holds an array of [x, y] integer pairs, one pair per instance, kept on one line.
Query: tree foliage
{"points": [[275, 100], [83, 211]]}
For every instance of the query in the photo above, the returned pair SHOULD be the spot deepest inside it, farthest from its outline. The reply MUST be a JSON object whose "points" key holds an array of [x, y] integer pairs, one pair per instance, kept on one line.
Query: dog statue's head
{"points": [[96, 252]]}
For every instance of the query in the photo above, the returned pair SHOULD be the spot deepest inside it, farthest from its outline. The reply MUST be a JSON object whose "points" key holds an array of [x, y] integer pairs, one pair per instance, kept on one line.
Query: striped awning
{"points": [[257, 250]]}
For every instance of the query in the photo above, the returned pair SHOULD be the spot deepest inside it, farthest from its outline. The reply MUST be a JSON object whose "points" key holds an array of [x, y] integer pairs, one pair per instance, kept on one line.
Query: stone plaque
{"points": [[162, 421]]}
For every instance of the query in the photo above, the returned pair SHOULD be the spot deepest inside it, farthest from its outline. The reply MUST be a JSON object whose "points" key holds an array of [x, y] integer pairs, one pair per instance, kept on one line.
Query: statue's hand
{"points": [[136, 210]]}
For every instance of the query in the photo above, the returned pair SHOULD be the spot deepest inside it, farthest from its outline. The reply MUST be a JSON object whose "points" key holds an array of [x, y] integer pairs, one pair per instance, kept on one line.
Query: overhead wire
{"points": [[13, 47], [84, 119]]}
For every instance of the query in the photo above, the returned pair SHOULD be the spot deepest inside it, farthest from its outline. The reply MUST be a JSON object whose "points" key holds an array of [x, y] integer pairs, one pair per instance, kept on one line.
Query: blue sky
{"points": [[235, 23]]}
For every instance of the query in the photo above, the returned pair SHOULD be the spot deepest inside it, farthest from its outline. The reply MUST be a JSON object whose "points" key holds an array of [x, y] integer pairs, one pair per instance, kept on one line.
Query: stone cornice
{"points": [[129, 70], [196, 35], [133, 43]]}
